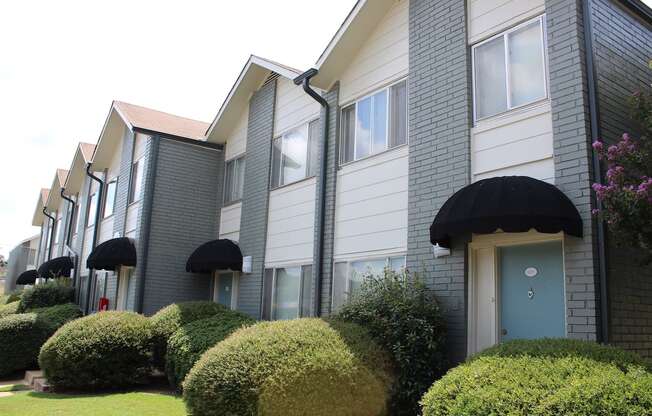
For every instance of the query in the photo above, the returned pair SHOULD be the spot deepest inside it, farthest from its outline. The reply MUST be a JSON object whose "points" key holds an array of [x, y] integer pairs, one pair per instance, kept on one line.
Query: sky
{"points": [[63, 62]]}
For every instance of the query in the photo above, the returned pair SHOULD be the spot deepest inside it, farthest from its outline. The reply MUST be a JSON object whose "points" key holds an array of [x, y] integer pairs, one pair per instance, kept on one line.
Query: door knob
{"points": [[503, 332]]}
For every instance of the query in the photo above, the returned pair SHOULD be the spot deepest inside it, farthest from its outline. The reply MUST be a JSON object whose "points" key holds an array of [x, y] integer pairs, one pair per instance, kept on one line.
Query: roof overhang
{"points": [[108, 143], [358, 25], [54, 196], [77, 172], [253, 74], [37, 218]]}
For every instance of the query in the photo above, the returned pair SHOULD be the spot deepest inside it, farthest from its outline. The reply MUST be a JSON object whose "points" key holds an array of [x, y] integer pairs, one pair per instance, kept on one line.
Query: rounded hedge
{"points": [[9, 309], [50, 293], [299, 367], [9, 298], [187, 344], [104, 350], [171, 318], [22, 335]]}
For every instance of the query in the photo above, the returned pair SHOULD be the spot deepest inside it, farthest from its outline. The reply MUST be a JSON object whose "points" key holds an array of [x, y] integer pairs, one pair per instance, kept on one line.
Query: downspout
{"points": [[594, 116], [51, 232], [98, 209], [304, 80], [69, 232]]}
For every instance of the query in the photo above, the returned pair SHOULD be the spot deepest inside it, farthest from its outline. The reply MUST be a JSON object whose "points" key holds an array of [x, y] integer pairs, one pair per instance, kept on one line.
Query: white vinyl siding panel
{"points": [[106, 230], [293, 107], [114, 165], [372, 205], [236, 143], [86, 250], [291, 224], [489, 17], [132, 217], [230, 221], [382, 59], [519, 143]]}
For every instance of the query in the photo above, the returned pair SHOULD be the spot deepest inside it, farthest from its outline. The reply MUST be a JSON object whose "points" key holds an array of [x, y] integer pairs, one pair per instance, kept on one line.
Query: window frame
{"points": [[309, 141], [300, 297], [57, 228], [235, 276], [225, 192], [541, 19], [132, 197], [90, 214], [106, 198], [387, 88]]}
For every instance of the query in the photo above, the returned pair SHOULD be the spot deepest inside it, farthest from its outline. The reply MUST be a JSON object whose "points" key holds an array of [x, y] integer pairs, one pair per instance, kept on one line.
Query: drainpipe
{"points": [[594, 116], [95, 230], [304, 80], [69, 232], [51, 231]]}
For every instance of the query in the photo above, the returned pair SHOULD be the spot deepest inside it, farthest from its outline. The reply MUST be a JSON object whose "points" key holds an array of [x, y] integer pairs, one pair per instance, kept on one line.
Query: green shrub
{"points": [[187, 344], [9, 309], [53, 292], [23, 335], [403, 317], [171, 318], [540, 386], [299, 367], [104, 350], [564, 347], [9, 298]]}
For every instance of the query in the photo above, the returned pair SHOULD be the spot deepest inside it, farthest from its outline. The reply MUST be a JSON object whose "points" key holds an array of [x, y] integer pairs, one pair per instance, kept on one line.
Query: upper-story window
{"points": [[109, 201], [57, 231], [75, 215], [510, 69], [135, 187], [294, 155], [234, 180], [92, 207], [374, 123]]}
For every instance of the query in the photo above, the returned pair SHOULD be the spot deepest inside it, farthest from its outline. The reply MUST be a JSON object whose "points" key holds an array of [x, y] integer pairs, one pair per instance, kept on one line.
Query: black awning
{"points": [[510, 203], [112, 253], [57, 267], [28, 277], [215, 255]]}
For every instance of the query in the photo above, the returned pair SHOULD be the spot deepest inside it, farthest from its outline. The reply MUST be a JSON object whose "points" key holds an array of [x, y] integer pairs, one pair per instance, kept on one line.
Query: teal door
{"points": [[225, 289], [532, 291]]}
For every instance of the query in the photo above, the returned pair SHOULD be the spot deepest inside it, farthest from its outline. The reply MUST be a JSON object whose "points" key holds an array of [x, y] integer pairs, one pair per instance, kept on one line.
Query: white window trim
{"points": [[272, 312], [226, 203], [505, 35], [115, 194], [235, 279], [137, 196], [355, 102], [306, 126]]}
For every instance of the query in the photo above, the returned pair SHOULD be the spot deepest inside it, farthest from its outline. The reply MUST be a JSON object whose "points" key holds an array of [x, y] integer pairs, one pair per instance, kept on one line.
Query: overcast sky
{"points": [[63, 62]]}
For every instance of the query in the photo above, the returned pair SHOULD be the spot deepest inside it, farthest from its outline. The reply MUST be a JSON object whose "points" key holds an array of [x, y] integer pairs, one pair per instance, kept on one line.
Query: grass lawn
{"points": [[111, 404]]}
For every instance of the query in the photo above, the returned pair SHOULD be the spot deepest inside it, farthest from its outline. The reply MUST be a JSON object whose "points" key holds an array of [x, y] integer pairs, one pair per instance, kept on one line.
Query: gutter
{"points": [[51, 231], [95, 231], [69, 233], [304, 80], [594, 116]]}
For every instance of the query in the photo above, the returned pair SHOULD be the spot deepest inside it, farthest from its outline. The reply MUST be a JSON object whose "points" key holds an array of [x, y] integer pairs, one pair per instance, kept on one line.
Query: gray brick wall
{"points": [[186, 191], [332, 97], [622, 47], [572, 152], [255, 199], [439, 143]]}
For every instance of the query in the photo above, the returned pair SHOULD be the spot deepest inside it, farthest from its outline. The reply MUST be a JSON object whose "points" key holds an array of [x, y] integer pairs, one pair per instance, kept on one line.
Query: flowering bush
{"points": [[626, 196]]}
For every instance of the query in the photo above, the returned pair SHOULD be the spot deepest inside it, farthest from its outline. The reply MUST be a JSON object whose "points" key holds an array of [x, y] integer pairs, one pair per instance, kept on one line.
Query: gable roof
{"points": [[75, 179], [352, 34], [253, 74], [37, 218], [54, 195]]}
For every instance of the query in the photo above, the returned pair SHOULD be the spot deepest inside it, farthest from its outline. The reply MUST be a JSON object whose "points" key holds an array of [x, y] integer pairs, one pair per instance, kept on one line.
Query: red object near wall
{"points": [[103, 304]]}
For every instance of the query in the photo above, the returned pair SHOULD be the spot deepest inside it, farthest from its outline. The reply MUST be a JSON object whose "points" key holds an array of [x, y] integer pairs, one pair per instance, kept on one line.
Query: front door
{"points": [[531, 291], [224, 289]]}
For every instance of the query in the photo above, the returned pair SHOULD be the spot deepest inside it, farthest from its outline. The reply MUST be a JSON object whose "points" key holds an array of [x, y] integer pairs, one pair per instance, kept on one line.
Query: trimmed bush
{"points": [[23, 335], [187, 344], [104, 350], [9, 298], [53, 292], [9, 309], [564, 347], [300, 367], [540, 386], [170, 319], [403, 317]]}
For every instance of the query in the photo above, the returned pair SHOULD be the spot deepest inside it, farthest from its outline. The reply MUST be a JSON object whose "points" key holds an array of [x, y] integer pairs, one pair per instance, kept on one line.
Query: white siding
{"points": [[132, 217], [230, 221], [291, 224], [86, 250], [236, 144], [372, 205], [489, 17], [139, 146], [106, 230], [382, 59], [293, 106], [114, 165], [518, 143]]}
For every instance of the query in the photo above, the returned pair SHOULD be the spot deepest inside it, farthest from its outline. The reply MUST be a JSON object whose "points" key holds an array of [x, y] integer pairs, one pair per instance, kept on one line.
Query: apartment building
{"points": [[22, 260]]}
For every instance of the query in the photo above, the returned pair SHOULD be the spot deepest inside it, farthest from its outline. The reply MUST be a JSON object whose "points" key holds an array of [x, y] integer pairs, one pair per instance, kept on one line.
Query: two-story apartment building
{"points": [[22, 263]]}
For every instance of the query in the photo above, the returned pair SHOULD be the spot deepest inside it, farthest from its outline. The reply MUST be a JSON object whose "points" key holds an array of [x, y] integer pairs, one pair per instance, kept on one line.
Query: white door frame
{"points": [[488, 245], [234, 286], [123, 288]]}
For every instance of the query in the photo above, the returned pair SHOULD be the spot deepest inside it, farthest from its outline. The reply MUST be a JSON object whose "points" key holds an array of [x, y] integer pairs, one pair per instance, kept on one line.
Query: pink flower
{"points": [[598, 145]]}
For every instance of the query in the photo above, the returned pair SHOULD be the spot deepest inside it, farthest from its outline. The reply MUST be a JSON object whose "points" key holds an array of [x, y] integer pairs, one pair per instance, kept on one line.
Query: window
{"points": [[374, 123], [287, 292], [92, 207], [135, 187], [57, 231], [234, 180], [509, 70], [348, 276], [31, 256], [75, 216], [294, 155], [109, 201]]}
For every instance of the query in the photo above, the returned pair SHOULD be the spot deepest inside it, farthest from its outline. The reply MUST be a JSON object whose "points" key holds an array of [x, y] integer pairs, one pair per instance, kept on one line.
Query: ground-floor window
{"points": [[225, 286], [349, 275], [125, 286], [287, 292]]}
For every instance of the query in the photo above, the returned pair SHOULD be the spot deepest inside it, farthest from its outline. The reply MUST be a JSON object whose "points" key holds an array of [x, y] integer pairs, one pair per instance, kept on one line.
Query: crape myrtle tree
{"points": [[626, 195]]}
